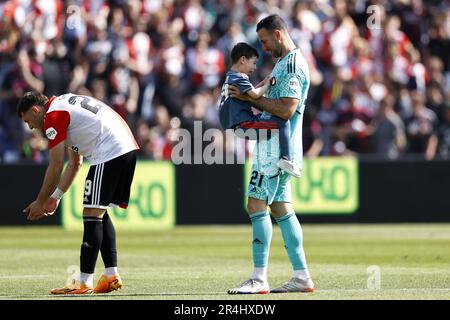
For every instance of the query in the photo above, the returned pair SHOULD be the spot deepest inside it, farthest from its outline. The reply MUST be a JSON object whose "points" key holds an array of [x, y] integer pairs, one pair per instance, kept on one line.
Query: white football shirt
{"points": [[88, 126]]}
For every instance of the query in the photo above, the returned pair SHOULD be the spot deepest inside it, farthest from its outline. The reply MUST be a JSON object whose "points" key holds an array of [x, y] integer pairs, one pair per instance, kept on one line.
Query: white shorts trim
{"points": [[97, 188], [95, 206]]}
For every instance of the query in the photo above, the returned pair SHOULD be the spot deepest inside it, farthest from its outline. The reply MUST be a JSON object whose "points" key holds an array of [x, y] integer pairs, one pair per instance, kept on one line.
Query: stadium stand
{"points": [[380, 79]]}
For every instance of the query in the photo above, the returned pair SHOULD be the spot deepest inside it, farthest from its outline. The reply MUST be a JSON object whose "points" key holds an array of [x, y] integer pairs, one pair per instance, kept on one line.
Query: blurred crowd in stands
{"points": [[380, 78]]}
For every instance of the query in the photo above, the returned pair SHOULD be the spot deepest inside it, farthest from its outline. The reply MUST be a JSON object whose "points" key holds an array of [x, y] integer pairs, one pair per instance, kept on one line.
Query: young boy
{"points": [[237, 114]]}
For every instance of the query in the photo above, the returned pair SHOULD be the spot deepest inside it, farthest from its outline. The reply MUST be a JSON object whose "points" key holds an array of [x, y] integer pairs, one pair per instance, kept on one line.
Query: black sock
{"points": [[92, 241], [108, 248]]}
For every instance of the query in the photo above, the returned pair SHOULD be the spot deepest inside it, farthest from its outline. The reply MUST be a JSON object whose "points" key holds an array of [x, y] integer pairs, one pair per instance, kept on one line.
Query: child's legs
{"points": [[284, 136]]}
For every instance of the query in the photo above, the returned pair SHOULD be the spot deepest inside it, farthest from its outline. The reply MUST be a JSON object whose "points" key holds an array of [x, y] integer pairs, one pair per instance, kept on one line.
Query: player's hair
{"points": [[272, 22], [29, 99], [243, 49]]}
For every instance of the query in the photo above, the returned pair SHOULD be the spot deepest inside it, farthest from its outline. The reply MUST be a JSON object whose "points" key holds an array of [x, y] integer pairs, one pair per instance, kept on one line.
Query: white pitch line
{"points": [[382, 290], [223, 293], [26, 276]]}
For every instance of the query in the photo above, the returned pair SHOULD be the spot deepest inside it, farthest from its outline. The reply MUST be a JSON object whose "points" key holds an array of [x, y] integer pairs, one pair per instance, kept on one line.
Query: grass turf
{"points": [[202, 262]]}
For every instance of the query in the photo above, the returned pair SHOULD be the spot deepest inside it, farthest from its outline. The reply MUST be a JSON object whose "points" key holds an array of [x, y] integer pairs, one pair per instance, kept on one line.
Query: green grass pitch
{"points": [[202, 262]]}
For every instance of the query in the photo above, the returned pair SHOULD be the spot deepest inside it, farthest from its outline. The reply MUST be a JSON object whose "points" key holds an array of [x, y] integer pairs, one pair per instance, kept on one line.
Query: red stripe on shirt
{"points": [[259, 125], [58, 120]]}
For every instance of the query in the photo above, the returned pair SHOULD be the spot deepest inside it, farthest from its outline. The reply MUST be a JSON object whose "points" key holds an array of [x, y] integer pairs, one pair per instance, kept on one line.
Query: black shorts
{"points": [[108, 184]]}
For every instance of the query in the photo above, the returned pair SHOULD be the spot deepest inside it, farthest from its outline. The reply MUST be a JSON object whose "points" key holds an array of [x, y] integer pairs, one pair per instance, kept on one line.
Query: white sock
{"points": [[111, 271], [301, 274], [87, 279], [260, 273]]}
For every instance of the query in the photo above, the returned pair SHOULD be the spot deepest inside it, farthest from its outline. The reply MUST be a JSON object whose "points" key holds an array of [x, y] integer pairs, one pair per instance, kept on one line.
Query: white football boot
{"points": [[295, 285], [251, 286]]}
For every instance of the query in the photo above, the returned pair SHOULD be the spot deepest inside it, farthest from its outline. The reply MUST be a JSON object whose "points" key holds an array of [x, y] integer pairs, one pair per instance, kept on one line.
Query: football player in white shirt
{"points": [[87, 128]]}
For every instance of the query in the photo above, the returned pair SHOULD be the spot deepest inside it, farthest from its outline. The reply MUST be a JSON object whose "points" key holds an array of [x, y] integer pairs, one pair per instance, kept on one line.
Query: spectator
{"points": [[388, 138], [205, 62], [232, 37], [421, 128], [56, 68], [353, 124], [444, 134]]}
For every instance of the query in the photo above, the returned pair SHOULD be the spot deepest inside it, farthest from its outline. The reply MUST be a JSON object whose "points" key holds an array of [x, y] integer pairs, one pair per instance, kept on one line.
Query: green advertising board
{"points": [[329, 185], [151, 205]]}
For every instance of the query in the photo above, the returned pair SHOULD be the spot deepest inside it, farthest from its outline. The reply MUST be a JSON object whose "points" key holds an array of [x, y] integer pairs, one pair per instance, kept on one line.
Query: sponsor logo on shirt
{"points": [[51, 133]]}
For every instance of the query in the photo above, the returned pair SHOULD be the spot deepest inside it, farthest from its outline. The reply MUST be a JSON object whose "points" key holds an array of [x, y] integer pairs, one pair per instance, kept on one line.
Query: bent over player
{"points": [[88, 128]]}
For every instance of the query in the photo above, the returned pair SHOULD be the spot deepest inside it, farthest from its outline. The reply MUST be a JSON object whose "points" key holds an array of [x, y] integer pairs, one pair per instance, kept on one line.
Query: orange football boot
{"points": [[80, 288], [108, 283]]}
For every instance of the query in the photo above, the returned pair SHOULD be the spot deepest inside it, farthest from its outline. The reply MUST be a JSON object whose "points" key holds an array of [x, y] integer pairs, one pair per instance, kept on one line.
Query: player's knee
{"points": [[250, 208], [93, 212], [256, 206], [280, 209]]}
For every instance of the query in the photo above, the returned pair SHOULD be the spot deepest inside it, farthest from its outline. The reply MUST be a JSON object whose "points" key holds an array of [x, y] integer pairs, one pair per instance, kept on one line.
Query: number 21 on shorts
{"points": [[255, 180]]}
